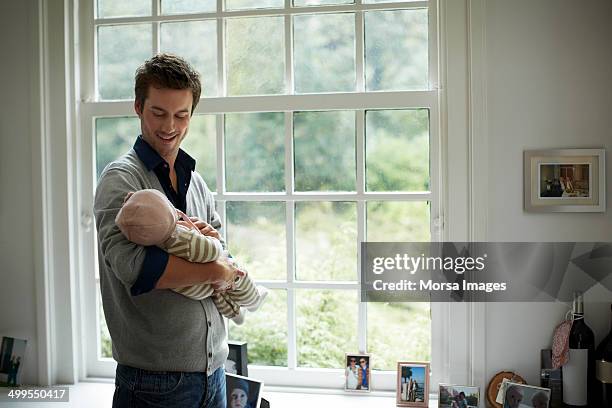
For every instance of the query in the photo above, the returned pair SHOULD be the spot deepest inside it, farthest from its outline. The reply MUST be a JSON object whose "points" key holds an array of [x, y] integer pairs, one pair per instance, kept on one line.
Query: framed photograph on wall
{"points": [[412, 384], [237, 362], [570, 180]]}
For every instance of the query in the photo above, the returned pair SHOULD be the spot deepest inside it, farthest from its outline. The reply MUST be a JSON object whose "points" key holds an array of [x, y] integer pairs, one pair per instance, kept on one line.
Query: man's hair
{"points": [[167, 71]]}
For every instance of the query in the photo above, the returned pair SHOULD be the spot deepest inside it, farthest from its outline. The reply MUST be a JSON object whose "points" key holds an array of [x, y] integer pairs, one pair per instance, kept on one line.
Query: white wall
{"points": [[549, 85], [17, 283]]}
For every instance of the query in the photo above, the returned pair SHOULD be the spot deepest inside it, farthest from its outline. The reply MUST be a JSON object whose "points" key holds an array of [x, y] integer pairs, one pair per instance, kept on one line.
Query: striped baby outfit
{"points": [[194, 246]]}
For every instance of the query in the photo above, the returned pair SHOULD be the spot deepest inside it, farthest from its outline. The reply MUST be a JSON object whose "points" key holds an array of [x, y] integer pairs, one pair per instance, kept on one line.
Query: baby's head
{"points": [[540, 400], [514, 396], [147, 217]]}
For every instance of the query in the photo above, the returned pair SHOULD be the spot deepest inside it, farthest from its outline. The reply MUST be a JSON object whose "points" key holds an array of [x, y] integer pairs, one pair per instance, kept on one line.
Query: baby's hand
{"points": [[127, 196], [205, 228]]}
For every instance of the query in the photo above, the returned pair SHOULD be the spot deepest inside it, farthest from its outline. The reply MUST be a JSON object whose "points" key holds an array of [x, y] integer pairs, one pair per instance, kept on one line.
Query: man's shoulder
{"points": [[127, 173], [198, 182], [128, 162]]}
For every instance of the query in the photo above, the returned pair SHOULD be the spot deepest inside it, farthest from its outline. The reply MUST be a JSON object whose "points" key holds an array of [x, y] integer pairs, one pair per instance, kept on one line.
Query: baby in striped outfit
{"points": [[148, 218]]}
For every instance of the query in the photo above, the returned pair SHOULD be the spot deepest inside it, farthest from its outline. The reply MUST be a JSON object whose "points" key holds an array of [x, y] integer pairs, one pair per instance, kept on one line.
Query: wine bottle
{"points": [[579, 371], [603, 363]]}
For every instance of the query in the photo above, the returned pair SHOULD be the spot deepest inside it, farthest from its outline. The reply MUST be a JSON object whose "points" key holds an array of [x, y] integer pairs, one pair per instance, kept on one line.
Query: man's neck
{"points": [[173, 179]]}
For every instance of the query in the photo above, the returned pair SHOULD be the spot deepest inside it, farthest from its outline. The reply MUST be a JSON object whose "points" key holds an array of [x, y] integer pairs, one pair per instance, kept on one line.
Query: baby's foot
{"points": [[239, 318], [263, 292]]}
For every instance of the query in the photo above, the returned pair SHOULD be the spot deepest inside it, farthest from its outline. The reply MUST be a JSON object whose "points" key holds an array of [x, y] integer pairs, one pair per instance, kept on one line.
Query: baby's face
{"points": [[539, 403], [513, 397]]}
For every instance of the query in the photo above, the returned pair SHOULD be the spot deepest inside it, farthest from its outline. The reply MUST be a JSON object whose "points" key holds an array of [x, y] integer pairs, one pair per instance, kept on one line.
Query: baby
{"points": [[148, 218], [539, 400], [514, 396]]}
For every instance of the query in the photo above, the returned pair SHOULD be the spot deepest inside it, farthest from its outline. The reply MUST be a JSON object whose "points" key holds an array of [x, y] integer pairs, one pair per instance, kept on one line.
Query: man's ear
{"points": [[138, 107]]}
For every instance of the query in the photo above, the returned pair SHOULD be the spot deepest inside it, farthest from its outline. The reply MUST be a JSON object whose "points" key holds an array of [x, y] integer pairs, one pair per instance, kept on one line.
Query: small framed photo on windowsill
{"points": [[412, 384], [458, 396], [243, 392], [12, 353], [525, 396], [357, 371], [237, 362], [570, 180]]}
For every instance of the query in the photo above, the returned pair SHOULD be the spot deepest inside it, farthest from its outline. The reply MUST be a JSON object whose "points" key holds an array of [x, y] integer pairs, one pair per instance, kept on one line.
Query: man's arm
{"points": [[127, 259], [180, 272]]}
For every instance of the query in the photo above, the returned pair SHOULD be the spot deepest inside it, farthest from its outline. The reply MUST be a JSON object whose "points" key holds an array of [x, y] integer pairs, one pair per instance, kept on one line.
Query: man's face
{"points": [[164, 119], [352, 362], [238, 398]]}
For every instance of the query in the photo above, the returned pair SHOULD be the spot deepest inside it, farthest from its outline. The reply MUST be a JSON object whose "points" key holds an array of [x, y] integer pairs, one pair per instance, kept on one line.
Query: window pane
{"points": [[396, 50], [253, 4], [326, 326], [196, 41], [188, 6], [400, 221], [114, 137], [298, 3], [326, 241], [255, 152], [201, 144], [265, 331], [397, 150], [324, 52], [122, 8], [255, 56], [398, 332], [257, 239], [324, 149], [121, 49]]}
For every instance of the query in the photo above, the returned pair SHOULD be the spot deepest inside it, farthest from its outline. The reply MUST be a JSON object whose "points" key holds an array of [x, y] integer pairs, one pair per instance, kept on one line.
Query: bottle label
{"points": [[604, 371], [575, 377]]}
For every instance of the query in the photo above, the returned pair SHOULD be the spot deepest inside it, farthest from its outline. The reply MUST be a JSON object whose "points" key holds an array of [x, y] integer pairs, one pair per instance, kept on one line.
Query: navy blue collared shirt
{"points": [[156, 258]]}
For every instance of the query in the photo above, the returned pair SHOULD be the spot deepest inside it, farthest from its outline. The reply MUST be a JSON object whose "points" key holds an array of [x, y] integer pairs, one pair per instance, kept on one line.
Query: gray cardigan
{"points": [[160, 330]]}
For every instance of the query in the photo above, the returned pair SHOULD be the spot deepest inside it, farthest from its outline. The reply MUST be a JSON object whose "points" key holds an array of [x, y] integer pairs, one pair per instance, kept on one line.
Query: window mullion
{"points": [[221, 78], [362, 306], [155, 28], [360, 151], [359, 51], [288, 51], [220, 135], [291, 313]]}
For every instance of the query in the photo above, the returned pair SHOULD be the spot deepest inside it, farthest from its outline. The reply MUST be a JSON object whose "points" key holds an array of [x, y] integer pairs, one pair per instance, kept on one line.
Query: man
{"points": [[352, 374], [170, 349]]}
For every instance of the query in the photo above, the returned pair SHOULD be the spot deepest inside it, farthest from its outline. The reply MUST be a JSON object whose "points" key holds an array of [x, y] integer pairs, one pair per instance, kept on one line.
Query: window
{"points": [[317, 129]]}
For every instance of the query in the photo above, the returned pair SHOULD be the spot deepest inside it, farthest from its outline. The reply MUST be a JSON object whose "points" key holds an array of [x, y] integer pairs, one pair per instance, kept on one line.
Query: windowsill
{"points": [[98, 393]]}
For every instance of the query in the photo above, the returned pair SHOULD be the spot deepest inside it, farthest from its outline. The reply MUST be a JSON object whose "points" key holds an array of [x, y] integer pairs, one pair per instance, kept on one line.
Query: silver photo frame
{"points": [[565, 180]]}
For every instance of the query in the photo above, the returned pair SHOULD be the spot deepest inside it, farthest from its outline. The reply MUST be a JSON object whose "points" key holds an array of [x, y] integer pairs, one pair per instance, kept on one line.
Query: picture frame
{"points": [[564, 180], [354, 368], [247, 391], [412, 384], [524, 395], [449, 393], [237, 359], [12, 354]]}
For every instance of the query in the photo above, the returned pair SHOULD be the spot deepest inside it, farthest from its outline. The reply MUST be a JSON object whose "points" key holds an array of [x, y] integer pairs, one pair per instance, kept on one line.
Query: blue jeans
{"points": [[137, 388]]}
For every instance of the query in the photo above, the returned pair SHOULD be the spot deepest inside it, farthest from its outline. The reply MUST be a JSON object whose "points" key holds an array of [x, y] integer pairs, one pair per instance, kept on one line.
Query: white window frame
{"points": [[458, 362]]}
